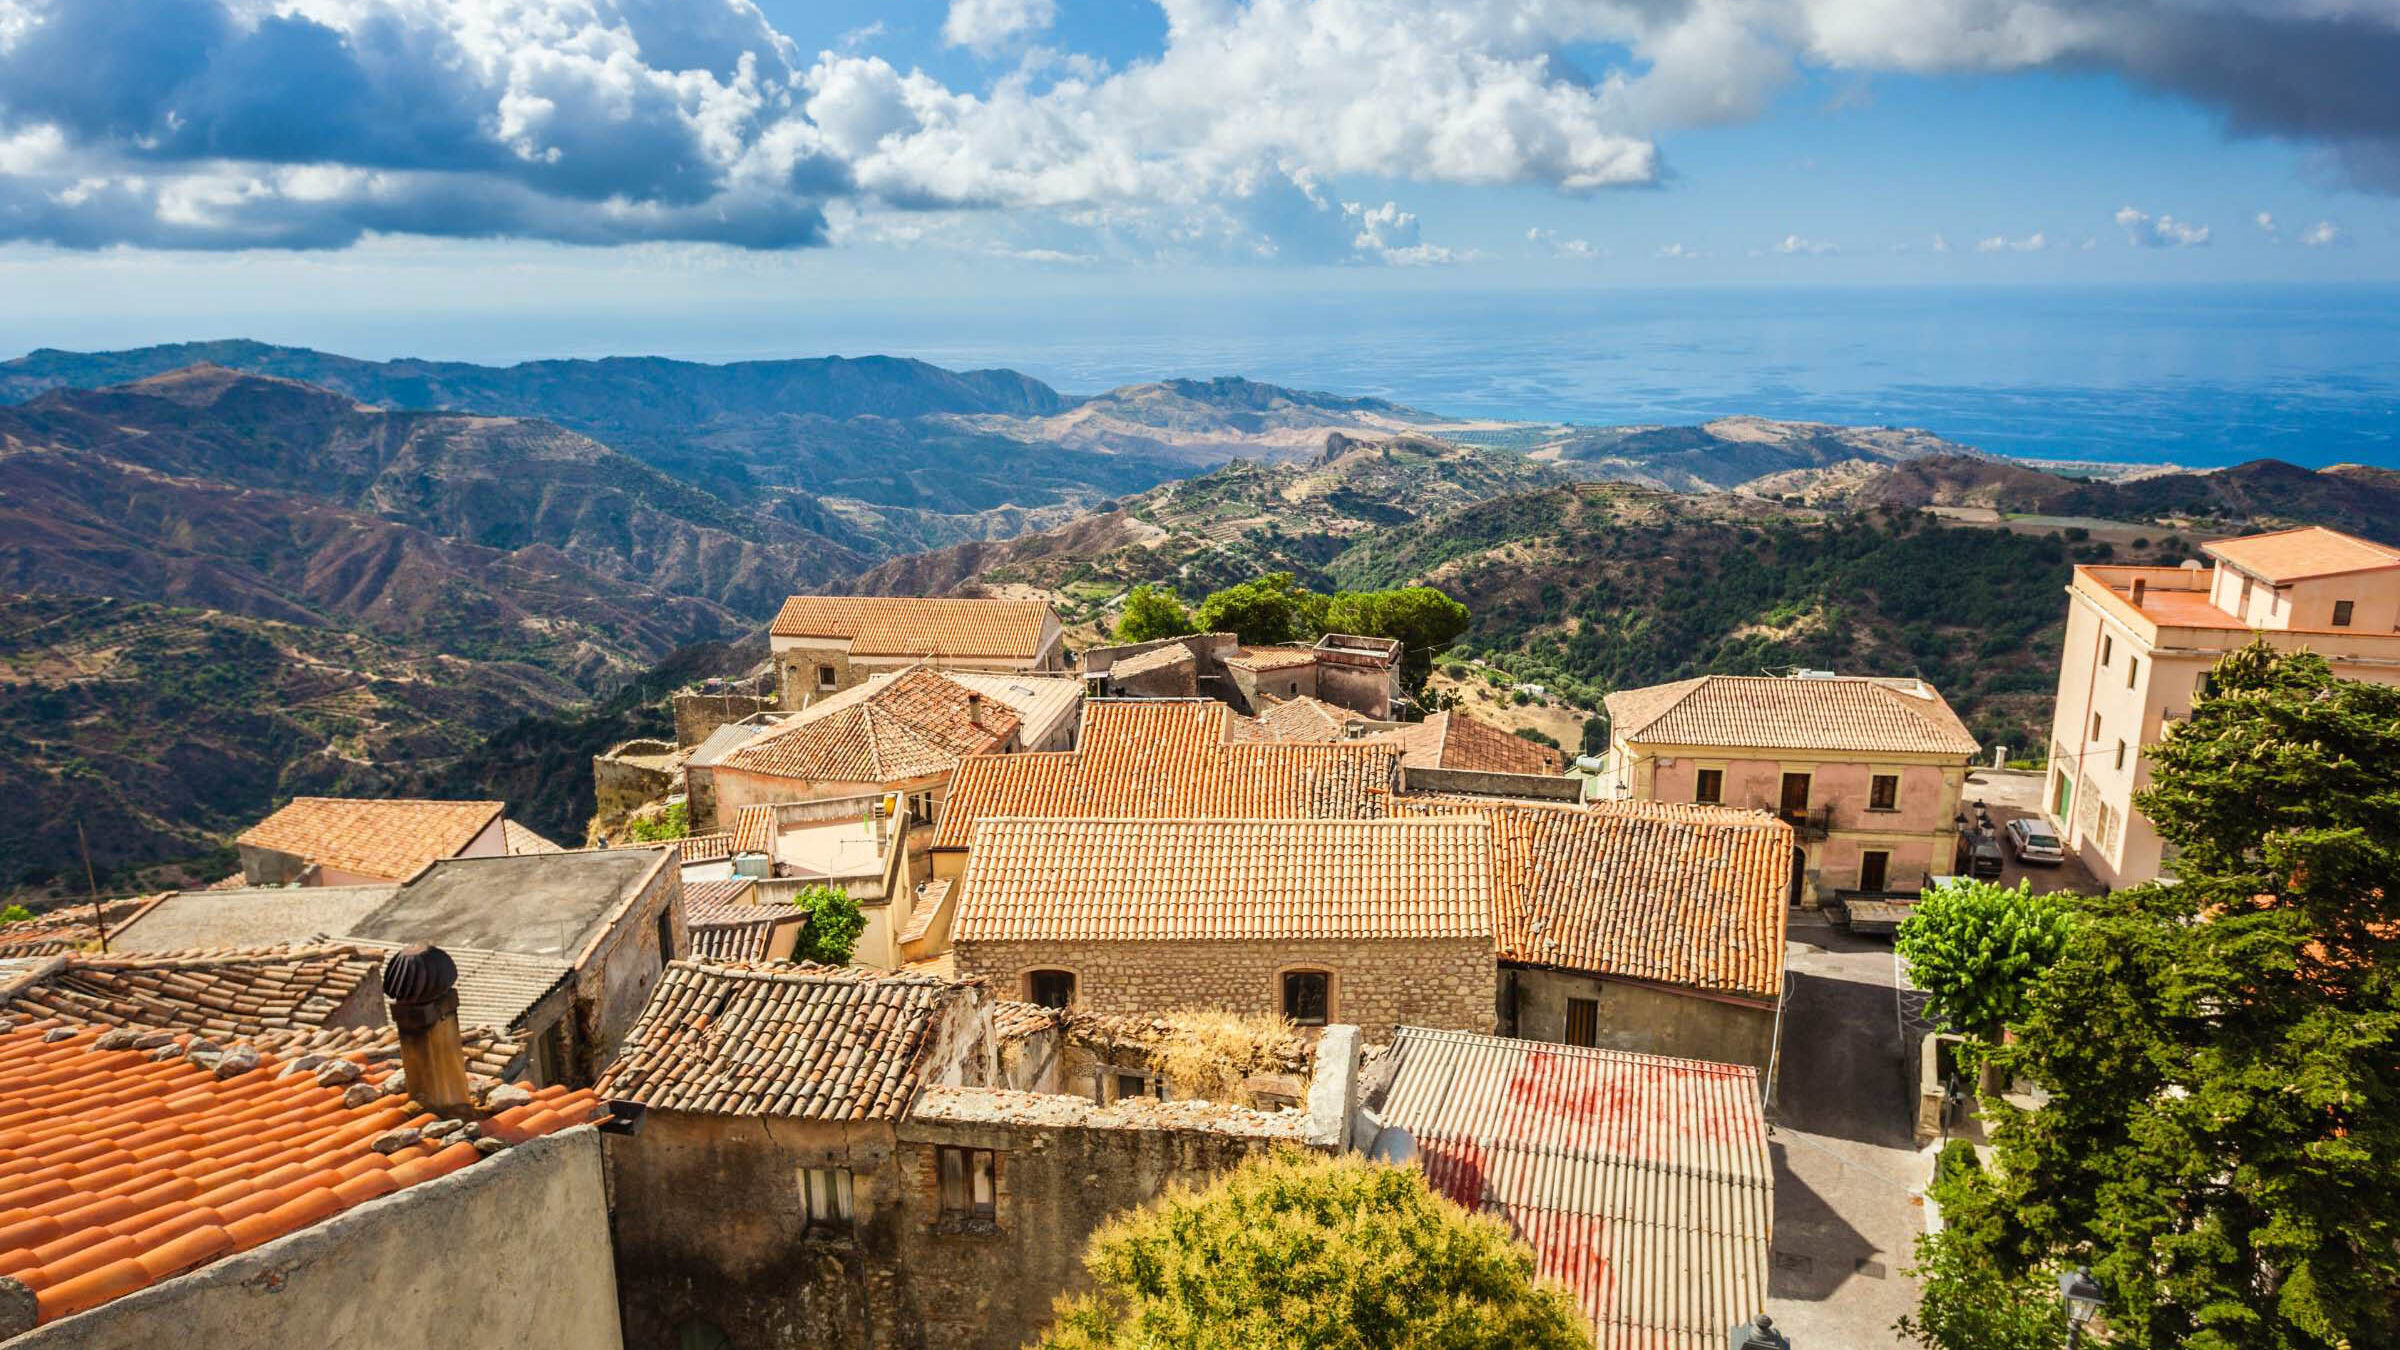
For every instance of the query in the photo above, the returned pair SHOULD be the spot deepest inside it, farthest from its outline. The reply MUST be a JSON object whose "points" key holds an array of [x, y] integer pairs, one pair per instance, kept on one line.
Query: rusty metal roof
{"points": [[1643, 1184]]}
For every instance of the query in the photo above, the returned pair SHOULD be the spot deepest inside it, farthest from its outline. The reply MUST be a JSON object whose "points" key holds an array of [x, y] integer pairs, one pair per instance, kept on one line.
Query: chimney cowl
{"points": [[419, 974]]}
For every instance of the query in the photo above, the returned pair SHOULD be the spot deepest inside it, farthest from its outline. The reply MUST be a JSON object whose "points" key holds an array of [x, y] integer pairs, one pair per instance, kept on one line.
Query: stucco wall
{"points": [[614, 984], [512, 1251], [1646, 1019], [1447, 984], [1362, 689]]}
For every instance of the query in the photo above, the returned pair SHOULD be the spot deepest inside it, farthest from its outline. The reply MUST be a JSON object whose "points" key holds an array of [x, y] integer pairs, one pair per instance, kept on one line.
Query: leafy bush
{"points": [[1539, 737], [1977, 949], [1300, 1252], [673, 823], [1153, 612], [834, 923], [15, 914]]}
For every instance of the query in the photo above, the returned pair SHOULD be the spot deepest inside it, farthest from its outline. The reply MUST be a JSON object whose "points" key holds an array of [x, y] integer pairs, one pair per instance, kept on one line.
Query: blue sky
{"points": [[175, 168]]}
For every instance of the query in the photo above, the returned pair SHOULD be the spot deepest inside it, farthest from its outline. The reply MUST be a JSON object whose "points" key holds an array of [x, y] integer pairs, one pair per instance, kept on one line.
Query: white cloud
{"points": [[1677, 252], [1792, 243], [2147, 231], [1941, 244], [1579, 249], [988, 25], [2001, 243], [2265, 221], [2322, 233], [1388, 233]]}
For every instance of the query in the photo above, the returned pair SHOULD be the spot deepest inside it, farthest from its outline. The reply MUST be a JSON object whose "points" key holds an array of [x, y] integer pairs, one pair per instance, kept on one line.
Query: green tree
{"points": [[1153, 612], [15, 914], [673, 823], [1265, 610], [1422, 620], [1977, 949], [1302, 1252], [1595, 734], [834, 923], [2221, 1142]]}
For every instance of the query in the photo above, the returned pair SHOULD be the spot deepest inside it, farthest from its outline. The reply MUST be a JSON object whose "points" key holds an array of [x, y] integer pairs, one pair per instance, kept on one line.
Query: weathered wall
{"points": [[1283, 682], [619, 786], [1484, 783], [1644, 1018], [512, 1251], [1176, 679], [1366, 689], [615, 981], [698, 714], [1446, 983]]}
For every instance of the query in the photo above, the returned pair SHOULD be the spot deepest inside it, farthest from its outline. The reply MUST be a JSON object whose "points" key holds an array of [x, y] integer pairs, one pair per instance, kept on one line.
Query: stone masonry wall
{"points": [[1447, 984], [699, 714]]}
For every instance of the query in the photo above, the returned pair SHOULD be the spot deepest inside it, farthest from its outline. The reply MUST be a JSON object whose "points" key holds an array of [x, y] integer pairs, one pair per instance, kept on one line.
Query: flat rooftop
{"points": [[544, 904], [847, 847]]}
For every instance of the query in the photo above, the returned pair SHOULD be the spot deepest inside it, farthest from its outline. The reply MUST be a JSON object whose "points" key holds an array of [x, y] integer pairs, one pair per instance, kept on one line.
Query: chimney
{"points": [[883, 808], [422, 984], [975, 709], [2140, 584]]}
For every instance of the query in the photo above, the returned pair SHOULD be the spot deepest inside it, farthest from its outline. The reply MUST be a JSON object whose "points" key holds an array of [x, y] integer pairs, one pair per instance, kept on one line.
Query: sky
{"points": [[200, 168]]}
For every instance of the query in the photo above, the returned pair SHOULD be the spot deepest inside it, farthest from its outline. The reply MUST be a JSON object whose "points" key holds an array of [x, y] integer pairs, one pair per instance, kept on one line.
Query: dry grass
{"points": [[1206, 1053]]}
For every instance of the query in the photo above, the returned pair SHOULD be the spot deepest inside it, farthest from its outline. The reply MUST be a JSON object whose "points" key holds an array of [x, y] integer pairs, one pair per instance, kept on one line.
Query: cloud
{"points": [[1390, 234], [988, 25], [2265, 221], [1679, 253], [1579, 249], [2322, 233], [2001, 243], [1792, 243], [2147, 231], [1941, 244]]}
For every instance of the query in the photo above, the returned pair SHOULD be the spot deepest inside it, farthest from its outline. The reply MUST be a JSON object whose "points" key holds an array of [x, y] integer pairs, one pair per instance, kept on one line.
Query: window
{"points": [[968, 1191], [2120, 754], [2133, 670], [2242, 610], [2342, 610], [1709, 786], [1583, 1021], [2108, 647], [1883, 792], [827, 1192], [826, 678], [1874, 869], [1795, 794], [1307, 996], [1136, 1083], [920, 808], [666, 936], [2204, 686], [1050, 988], [2095, 726]]}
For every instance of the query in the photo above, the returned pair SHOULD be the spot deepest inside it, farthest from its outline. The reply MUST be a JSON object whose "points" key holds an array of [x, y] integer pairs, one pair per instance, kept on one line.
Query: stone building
{"points": [[1867, 771], [1460, 741], [1367, 922], [345, 841], [841, 1158], [823, 644]]}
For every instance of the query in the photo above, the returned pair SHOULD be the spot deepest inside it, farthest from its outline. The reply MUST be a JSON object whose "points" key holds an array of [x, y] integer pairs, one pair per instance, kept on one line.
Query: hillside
{"points": [[1730, 451]]}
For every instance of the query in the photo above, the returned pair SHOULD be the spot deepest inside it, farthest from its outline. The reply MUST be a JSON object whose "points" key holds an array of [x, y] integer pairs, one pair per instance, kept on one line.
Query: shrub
{"points": [[1977, 949], [834, 923]]}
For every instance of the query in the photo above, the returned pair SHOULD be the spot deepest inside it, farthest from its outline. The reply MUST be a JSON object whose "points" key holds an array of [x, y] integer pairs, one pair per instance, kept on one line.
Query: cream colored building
{"points": [[823, 644], [1867, 771], [2140, 643]]}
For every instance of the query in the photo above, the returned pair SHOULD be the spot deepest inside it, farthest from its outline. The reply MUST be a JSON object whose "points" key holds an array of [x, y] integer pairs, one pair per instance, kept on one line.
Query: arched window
{"points": [[1050, 988], [1307, 997]]}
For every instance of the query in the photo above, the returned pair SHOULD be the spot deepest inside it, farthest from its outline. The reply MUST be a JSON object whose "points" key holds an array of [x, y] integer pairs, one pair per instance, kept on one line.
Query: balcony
{"points": [[1810, 825]]}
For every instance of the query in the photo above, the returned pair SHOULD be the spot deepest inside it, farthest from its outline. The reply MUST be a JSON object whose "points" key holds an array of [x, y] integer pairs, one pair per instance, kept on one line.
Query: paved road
{"points": [[2007, 794], [1846, 1218]]}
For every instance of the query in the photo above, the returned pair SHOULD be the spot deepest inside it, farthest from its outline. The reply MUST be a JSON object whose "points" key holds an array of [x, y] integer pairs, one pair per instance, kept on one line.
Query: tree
{"points": [[2221, 1142], [1265, 610], [1153, 612], [1303, 1252], [1595, 734], [675, 822], [15, 914], [1422, 620], [834, 923], [1976, 949]]}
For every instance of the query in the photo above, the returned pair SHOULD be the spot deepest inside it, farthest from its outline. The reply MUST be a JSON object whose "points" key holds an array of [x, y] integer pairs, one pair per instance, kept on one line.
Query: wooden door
{"points": [[1795, 794]]}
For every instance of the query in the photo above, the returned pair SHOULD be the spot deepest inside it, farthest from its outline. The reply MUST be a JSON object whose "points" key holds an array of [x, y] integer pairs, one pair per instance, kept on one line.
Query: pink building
{"points": [[1867, 771]]}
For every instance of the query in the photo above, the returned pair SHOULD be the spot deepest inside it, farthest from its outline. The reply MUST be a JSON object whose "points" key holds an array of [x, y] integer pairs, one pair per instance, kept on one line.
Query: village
{"points": [[913, 961]]}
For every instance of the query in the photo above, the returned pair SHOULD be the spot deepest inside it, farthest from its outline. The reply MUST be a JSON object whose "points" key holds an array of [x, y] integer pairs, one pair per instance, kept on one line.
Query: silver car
{"points": [[2033, 841]]}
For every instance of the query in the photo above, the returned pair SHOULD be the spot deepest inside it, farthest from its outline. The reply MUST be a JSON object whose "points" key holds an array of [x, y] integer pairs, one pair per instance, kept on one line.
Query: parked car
{"points": [[1984, 858], [2034, 842]]}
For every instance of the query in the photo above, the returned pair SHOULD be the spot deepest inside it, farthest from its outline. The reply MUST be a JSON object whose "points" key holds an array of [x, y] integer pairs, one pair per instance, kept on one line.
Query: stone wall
{"points": [[513, 1251], [621, 784], [1644, 1018], [1364, 689], [698, 714], [1447, 983], [615, 980], [796, 672]]}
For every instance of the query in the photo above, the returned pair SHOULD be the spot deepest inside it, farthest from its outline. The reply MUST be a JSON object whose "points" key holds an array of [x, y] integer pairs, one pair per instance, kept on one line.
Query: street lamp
{"points": [[1759, 1333], [2082, 1295]]}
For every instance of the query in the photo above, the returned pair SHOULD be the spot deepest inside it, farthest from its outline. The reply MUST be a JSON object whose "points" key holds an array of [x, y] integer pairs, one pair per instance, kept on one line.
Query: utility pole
{"points": [[91, 887]]}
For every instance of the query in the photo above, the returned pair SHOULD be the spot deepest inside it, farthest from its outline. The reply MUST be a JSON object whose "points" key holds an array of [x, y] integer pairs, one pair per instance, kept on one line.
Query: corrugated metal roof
{"points": [[1643, 1184]]}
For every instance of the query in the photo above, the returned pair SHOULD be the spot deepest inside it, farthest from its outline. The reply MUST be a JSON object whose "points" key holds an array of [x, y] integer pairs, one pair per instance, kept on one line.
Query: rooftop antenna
{"points": [[91, 887]]}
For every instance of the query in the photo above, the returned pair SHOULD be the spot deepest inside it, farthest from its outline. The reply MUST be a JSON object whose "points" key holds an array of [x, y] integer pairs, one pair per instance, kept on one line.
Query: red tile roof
{"points": [[933, 629], [1454, 740], [1828, 714], [70, 927], [122, 1167], [1212, 880], [915, 724], [698, 848], [225, 994], [2297, 555], [1167, 759], [1300, 718], [390, 839]]}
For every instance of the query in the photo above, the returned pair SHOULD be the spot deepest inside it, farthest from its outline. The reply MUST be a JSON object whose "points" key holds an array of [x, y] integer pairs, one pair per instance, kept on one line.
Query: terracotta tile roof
{"points": [[70, 927], [1214, 880], [490, 1052], [123, 1167], [1827, 714], [808, 1043], [747, 940], [1040, 702], [1666, 893], [220, 994], [1167, 759], [1643, 1184], [2296, 555], [391, 839], [915, 724], [928, 906], [522, 840], [698, 848], [1455, 740], [1014, 1021], [1159, 658], [891, 626], [496, 989], [754, 829], [725, 901], [726, 925], [1298, 719], [1272, 658], [249, 918]]}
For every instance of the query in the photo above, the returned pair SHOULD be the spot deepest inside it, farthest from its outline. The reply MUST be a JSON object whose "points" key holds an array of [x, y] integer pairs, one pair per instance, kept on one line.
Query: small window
{"points": [[2204, 686], [2342, 610], [2120, 754], [920, 808], [666, 936], [2133, 670], [2108, 648], [2095, 726], [1883, 792], [827, 1193], [827, 678], [1709, 786], [1306, 997], [2242, 610], [1051, 988], [1583, 1021], [968, 1190], [1874, 869]]}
